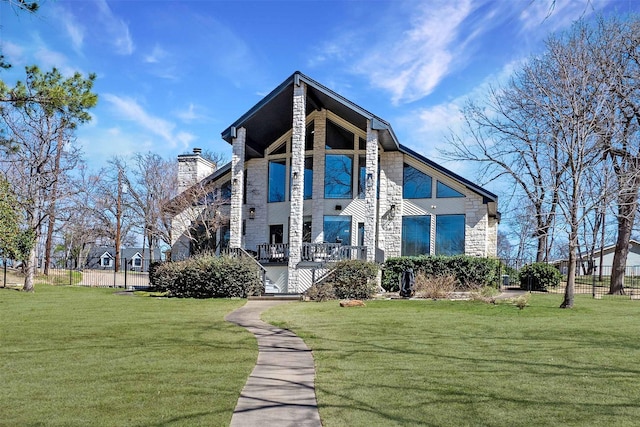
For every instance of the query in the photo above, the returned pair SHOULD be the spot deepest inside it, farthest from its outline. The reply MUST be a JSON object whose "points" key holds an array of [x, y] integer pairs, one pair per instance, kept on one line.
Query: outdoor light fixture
{"points": [[252, 213], [338, 207], [392, 211], [369, 180], [295, 175]]}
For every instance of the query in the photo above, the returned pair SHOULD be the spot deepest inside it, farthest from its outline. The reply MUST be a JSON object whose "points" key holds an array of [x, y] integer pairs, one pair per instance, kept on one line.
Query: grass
{"points": [[85, 356], [443, 363]]}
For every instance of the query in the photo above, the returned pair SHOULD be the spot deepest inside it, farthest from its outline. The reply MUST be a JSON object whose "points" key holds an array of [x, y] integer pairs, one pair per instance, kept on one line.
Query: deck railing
{"points": [[313, 252]]}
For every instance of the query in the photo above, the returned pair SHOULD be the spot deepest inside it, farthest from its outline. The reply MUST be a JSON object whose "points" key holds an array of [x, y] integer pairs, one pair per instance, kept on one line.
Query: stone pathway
{"points": [[280, 391]]}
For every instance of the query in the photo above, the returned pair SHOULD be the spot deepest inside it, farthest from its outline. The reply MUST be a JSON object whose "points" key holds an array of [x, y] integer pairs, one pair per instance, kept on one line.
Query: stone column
{"points": [[319, 137], [297, 183], [237, 188], [371, 212]]}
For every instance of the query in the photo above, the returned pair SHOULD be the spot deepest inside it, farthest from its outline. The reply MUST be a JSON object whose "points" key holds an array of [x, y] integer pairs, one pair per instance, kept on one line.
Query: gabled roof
{"points": [[271, 117]]}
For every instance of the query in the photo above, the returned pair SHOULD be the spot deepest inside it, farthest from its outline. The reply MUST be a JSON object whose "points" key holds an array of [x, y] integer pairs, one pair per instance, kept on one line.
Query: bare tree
{"points": [[152, 183], [37, 143]]}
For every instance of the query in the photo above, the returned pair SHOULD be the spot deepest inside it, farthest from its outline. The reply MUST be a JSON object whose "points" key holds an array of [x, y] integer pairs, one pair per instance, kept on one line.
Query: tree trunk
{"points": [[571, 278], [625, 225], [30, 271]]}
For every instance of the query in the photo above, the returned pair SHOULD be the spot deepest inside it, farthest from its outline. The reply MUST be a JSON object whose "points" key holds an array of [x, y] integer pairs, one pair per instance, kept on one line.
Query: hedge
{"points": [[207, 276], [539, 277], [470, 272]]}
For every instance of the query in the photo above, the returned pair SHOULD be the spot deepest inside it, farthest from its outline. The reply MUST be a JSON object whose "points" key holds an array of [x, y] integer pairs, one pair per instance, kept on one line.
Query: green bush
{"points": [[321, 292], [470, 272], [539, 277], [353, 279], [207, 276]]}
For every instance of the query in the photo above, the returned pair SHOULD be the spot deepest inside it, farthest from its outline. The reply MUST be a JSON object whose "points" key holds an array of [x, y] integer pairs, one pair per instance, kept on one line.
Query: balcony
{"points": [[311, 252]]}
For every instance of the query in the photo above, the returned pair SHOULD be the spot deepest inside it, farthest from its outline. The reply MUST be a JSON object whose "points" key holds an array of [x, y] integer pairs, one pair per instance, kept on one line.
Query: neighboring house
{"points": [[315, 178], [103, 258], [587, 267]]}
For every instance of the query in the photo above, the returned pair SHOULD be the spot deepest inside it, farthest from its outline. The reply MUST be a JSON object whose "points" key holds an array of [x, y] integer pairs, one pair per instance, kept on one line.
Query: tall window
{"points": [[416, 235], [338, 171], [449, 234], [337, 229], [444, 191], [415, 184], [306, 229], [362, 176], [277, 174], [338, 138], [308, 136], [308, 177]]}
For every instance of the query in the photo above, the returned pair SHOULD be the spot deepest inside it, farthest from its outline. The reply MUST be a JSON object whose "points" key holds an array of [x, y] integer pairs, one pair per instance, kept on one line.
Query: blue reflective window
{"points": [[450, 234], [308, 177], [338, 172], [277, 173], [416, 184], [362, 176], [337, 229], [444, 191], [416, 235]]}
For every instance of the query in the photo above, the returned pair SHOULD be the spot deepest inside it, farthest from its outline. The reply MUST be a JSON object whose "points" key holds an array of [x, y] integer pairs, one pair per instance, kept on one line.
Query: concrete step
{"points": [[276, 296]]}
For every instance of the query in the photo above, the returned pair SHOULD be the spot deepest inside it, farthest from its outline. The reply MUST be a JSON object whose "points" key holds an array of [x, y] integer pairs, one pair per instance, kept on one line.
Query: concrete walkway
{"points": [[280, 391]]}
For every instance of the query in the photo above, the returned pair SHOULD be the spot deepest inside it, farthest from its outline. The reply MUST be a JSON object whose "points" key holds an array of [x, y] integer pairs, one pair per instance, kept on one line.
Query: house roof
{"points": [[271, 117]]}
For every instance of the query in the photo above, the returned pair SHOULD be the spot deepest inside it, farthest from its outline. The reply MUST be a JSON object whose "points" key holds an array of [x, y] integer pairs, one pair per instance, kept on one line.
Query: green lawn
{"points": [[85, 356], [442, 363]]}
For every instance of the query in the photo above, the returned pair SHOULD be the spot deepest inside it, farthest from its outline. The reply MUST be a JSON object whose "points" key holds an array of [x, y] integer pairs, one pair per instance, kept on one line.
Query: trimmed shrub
{"points": [[353, 279], [539, 277], [207, 276], [470, 272]]}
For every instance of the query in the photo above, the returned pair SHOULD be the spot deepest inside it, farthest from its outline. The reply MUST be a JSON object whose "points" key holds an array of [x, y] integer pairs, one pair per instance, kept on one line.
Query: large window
{"points": [[416, 235], [308, 177], [444, 191], [338, 172], [362, 176], [277, 174], [449, 234], [337, 229], [338, 138], [416, 184], [308, 136]]}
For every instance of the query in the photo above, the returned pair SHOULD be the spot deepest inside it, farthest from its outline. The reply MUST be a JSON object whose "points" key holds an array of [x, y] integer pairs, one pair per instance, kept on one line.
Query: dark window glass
{"points": [[362, 176], [306, 229], [362, 143], [337, 229], [282, 149], [225, 192], [308, 177], [338, 138], [277, 173], [444, 191], [449, 234], [416, 184], [276, 233], [338, 171], [361, 234], [308, 137], [416, 235], [225, 236]]}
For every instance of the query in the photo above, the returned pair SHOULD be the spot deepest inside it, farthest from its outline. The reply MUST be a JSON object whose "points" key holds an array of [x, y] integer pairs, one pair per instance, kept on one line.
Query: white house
{"points": [[315, 178]]}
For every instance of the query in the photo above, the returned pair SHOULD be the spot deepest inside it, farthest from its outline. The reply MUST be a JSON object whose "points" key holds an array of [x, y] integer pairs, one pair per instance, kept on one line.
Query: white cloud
{"points": [[131, 111], [48, 59], [117, 30], [13, 53], [156, 55], [74, 30], [191, 114]]}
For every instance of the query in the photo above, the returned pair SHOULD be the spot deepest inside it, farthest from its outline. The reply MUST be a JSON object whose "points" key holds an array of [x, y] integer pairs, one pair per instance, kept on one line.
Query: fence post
{"points": [[4, 283], [68, 264], [593, 284], [125, 274]]}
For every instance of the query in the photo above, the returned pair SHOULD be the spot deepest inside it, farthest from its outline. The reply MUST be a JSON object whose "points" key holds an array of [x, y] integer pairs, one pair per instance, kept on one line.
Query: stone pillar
{"points": [[319, 137], [193, 168], [370, 197], [237, 188], [297, 183], [390, 220]]}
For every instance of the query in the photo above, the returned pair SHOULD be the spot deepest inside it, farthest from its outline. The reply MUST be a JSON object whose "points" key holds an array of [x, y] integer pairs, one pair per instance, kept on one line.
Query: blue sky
{"points": [[171, 75]]}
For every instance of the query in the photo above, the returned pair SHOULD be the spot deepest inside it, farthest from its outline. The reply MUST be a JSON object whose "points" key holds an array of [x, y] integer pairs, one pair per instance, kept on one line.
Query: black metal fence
{"points": [[93, 272], [590, 279]]}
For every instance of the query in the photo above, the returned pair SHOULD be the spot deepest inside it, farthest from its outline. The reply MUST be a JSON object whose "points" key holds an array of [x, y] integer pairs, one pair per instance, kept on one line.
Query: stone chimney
{"points": [[193, 168]]}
